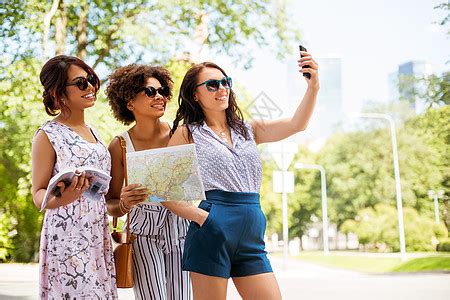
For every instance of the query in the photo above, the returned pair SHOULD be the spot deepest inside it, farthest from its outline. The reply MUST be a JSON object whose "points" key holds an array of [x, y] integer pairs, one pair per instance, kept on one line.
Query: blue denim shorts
{"points": [[231, 241]]}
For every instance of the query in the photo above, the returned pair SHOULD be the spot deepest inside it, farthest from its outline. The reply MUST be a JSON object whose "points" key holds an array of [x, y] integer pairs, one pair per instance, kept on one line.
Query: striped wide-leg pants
{"points": [[157, 263]]}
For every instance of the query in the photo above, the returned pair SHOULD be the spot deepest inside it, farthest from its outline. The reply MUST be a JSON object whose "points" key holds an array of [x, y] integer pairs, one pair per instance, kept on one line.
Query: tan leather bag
{"points": [[123, 253]]}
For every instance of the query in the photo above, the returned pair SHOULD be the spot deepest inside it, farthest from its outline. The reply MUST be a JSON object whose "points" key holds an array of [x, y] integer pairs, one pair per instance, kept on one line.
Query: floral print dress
{"points": [[76, 259]]}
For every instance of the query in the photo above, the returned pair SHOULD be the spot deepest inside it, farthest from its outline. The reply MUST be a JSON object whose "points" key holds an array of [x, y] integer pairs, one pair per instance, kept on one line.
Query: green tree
{"points": [[20, 117], [306, 201], [270, 201], [177, 68], [360, 171], [377, 229], [360, 168], [356, 173], [433, 89], [446, 7], [112, 33], [106, 34], [433, 129]]}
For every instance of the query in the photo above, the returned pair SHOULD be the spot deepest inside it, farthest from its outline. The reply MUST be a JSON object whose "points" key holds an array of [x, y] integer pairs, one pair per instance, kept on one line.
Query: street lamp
{"points": [[435, 195], [324, 201], [401, 228], [283, 153]]}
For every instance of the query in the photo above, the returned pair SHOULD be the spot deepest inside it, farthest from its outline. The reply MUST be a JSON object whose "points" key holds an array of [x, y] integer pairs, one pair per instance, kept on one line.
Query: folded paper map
{"points": [[170, 174]]}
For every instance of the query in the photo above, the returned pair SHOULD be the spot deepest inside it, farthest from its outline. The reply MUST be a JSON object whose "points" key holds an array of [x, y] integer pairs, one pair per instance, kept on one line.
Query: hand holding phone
{"points": [[307, 75]]}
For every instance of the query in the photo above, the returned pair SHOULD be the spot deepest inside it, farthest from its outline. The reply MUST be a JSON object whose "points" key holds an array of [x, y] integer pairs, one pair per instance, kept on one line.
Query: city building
{"points": [[405, 84]]}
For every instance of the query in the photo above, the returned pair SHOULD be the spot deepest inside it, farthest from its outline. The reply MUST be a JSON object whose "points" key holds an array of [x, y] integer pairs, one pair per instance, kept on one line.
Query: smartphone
{"points": [[307, 75]]}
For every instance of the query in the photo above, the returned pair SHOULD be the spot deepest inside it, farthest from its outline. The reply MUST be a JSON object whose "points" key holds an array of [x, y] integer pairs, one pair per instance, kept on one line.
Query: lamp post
{"points": [[401, 228], [283, 153], [435, 195], [324, 201]]}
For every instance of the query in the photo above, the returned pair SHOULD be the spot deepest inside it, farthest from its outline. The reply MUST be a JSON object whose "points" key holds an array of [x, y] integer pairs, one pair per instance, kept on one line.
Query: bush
{"points": [[444, 245]]}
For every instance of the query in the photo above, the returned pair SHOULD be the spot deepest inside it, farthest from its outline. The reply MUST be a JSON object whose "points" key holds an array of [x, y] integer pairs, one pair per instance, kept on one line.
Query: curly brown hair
{"points": [[124, 83]]}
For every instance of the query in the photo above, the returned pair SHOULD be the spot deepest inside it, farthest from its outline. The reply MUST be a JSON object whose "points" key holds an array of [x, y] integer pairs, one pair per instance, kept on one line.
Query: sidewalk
{"points": [[297, 280], [20, 282]]}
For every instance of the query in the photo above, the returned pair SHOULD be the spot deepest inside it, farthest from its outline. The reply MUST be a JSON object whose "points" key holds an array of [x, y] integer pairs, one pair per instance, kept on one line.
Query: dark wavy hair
{"points": [[190, 111], [54, 78], [125, 81]]}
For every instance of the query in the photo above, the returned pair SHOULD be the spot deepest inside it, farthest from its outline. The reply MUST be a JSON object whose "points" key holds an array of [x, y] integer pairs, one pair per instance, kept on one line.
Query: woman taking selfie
{"points": [[226, 237]]}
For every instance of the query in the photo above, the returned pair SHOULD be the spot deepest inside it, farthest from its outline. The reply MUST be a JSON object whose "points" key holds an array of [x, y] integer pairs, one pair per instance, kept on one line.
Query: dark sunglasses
{"points": [[82, 83], [151, 91], [213, 85]]}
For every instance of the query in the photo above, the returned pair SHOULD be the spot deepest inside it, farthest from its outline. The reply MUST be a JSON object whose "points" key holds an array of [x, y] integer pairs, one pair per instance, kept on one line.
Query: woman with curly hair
{"points": [[227, 240], [139, 94], [75, 257]]}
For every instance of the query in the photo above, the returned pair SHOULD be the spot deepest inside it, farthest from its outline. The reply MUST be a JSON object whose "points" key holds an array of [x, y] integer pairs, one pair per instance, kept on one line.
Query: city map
{"points": [[170, 174]]}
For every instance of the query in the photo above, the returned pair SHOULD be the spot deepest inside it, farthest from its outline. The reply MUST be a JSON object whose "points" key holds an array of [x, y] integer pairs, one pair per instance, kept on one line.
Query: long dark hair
{"points": [[190, 112], [53, 77]]}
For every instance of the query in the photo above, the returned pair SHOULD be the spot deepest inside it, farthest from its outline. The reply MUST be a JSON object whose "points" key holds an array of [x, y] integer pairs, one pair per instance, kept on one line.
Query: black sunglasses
{"points": [[82, 83], [151, 91], [213, 85]]}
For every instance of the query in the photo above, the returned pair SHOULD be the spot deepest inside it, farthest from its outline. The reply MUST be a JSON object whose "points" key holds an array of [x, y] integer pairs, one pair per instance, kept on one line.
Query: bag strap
{"points": [[123, 144]]}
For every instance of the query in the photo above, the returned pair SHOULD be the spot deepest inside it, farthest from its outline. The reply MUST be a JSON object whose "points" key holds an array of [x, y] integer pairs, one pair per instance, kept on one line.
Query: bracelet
{"points": [[123, 209]]}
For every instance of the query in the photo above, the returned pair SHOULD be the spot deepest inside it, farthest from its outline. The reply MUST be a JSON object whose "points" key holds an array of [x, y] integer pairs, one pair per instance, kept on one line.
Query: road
{"points": [[298, 280]]}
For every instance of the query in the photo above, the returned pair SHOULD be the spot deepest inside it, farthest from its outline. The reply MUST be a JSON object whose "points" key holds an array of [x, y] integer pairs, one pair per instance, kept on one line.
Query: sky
{"points": [[371, 37]]}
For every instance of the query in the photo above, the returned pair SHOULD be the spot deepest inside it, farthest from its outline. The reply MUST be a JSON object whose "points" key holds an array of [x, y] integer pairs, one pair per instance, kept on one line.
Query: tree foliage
{"points": [[360, 166], [432, 89], [21, 115], [360, 174], [377, 228], [106, 34], [112, 33], [305, 204], [446, 7]]}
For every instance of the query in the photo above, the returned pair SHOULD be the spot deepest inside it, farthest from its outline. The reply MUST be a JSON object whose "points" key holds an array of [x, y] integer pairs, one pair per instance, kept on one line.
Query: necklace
{"points": [[223, 136]]}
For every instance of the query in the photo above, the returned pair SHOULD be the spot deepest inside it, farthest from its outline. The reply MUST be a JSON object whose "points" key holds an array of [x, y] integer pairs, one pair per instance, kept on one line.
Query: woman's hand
{"points": [[74, 191], [202, 216], [131, 195], [267, 131], [312, 68], [187, 211]]}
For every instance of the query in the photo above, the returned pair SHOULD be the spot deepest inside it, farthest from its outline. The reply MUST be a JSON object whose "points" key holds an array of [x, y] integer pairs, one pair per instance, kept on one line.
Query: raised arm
{"points": [[181, 137], [275, 130]]}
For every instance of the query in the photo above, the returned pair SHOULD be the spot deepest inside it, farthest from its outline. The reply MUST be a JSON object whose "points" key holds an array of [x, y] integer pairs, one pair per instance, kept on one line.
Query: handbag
{"points": [[123, 253]]}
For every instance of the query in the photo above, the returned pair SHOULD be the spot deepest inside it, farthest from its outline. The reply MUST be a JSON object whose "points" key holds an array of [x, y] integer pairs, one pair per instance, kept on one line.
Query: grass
{"points": [[378, 263], [424, 264]]}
